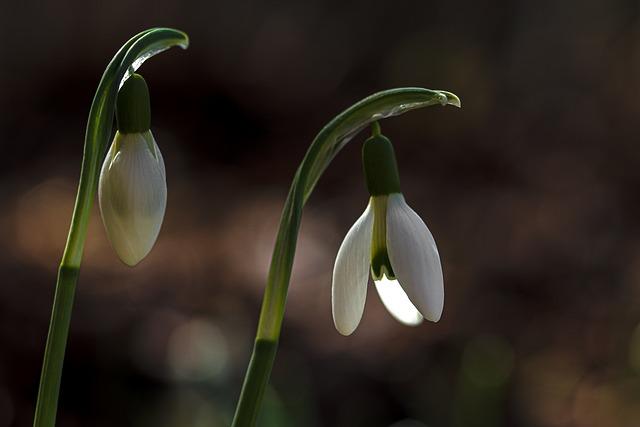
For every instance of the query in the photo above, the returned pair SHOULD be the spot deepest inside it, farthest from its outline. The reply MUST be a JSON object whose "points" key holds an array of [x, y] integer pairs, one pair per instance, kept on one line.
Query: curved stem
{"points": [[335, 135], [126, 60]]}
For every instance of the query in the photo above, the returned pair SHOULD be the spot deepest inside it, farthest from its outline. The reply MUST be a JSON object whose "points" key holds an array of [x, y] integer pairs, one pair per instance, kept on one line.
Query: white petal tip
{"points": [[397, 302], [131, 262], [346, 321], [432, 308], [435, 317], [344, 331]]}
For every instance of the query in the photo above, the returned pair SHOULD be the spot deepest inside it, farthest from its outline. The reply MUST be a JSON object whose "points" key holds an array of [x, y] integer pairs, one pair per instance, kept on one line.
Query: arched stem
{"points": [[335, 135], [126, 61]]}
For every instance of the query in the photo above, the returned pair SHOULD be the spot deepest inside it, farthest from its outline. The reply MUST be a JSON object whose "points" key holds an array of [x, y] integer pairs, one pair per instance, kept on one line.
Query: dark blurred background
{"points": [[531, 190]]}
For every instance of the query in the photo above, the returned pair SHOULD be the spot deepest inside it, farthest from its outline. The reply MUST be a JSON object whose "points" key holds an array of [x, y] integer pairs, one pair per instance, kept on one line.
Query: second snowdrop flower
{"points": [[390, 242], [132, 189]]}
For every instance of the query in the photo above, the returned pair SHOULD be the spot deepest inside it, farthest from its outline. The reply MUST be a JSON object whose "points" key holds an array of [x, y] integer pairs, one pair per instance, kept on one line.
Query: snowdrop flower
{"points": [[390, 242], [132, 189]]}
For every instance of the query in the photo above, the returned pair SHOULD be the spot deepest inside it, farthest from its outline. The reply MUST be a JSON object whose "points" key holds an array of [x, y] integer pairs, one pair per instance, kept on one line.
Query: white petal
{"points": [[397, 302], [414, 258], [351, 274], [133, 195]]}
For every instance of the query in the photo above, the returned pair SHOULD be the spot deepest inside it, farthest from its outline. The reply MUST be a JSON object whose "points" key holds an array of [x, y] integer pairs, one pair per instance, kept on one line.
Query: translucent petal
{"points": [[397, 302], [133, 195], [414, 258], [351, 274]]}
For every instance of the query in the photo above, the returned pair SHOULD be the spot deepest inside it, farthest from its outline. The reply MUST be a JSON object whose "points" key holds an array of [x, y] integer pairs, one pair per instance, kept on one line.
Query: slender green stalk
{"points": [[335, 135], [124, 63], [264, 353]]}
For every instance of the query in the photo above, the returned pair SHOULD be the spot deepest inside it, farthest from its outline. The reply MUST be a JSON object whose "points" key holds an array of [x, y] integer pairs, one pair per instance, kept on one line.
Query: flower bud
{"points": [[132, 189]]}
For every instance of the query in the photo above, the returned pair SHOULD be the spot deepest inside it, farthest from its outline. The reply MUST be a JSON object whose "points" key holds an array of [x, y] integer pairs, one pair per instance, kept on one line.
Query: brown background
{"points": [[531, 190]]}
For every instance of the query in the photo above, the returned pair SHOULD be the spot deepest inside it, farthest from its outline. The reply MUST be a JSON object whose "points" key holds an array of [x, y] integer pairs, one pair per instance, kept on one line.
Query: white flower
{"points": [[401, 246], [133, 194]]}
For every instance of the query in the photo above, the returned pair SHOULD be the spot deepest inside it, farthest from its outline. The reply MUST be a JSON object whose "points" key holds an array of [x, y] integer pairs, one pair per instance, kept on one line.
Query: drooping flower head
{"points": [[390, 242], [132, 189]]}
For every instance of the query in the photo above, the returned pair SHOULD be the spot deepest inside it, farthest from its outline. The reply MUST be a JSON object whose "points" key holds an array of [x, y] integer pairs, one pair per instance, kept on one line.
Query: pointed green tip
{"points": [[185, 43], [133, 109], [452, 99]]}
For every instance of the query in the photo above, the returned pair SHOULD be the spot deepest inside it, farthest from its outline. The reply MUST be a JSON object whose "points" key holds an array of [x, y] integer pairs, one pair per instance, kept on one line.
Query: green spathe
{"points": [[379, 163], [133, 109]]}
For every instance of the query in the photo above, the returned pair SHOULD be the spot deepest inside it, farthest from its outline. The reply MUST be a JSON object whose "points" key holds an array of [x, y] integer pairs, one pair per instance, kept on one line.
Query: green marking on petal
{"points": [[380, 264]]}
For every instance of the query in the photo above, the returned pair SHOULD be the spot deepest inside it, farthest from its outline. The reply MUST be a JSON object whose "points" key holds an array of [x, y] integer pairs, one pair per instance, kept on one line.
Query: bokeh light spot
{"points": [[198, 351], [488, 361]]}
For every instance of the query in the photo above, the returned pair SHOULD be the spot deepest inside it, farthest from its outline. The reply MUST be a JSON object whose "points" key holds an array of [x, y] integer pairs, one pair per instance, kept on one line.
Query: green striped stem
{"points": [[134, 52], [335, 135]]}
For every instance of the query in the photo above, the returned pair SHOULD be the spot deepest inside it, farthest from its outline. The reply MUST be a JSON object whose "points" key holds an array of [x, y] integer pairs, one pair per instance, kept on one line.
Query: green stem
{"points": [[264, 354], [331, 139], [375, 129], [47, 405], [126, 60]]}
